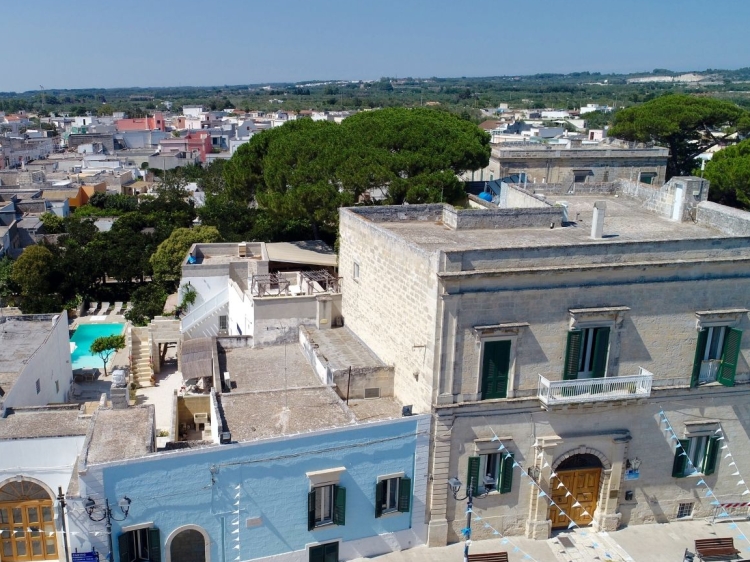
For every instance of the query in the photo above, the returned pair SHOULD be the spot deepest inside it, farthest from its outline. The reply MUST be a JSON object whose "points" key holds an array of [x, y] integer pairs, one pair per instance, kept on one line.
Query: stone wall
{"points": [[733, 222], [466, 219], [517, 197], [392, 305], [615, 433]]}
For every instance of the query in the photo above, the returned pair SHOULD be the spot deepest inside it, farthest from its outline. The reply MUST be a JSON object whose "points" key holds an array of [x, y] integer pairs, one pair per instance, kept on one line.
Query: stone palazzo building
{"points": [[569, 331]]}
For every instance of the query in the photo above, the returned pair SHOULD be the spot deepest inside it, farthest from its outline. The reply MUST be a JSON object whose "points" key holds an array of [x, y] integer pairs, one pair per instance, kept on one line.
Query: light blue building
{"points": [[323, 481]]}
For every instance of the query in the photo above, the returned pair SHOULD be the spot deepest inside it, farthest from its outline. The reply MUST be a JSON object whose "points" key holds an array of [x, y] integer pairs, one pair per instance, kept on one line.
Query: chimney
{"points": [[597, 224]]}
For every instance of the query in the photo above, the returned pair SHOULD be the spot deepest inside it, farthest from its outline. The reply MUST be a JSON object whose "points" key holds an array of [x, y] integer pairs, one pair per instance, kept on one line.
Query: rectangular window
{"points": [[57, 387], [587, 353], [647, 177], [325, 552], [326, 505], [695, 455], [38, 386], [716, 355], [223, 323], [355, 271], [393, 495], [491, 472], [579, 176], [495, 369], [140, 545], [685, 510]]}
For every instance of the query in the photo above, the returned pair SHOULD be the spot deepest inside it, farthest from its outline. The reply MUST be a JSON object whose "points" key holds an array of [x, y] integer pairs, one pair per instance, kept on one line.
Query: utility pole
{"points": [[61, 504]]}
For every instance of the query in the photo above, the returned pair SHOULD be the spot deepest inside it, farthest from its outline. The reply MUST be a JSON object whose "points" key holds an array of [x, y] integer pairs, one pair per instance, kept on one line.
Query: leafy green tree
{"points": [[106, 346], [52, 223], [167, 259], [7, 287], [686, 124], [729, 174], [36, 275], [148, 301]]}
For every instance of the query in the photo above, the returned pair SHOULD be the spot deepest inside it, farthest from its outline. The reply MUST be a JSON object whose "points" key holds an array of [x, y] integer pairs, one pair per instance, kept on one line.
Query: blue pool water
{"points": [[81, 341]]}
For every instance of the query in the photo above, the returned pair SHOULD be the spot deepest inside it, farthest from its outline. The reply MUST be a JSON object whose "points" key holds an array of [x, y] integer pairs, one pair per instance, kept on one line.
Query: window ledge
{"points": [[325, 477], [391, 514], [324, 526], [599, 310]]}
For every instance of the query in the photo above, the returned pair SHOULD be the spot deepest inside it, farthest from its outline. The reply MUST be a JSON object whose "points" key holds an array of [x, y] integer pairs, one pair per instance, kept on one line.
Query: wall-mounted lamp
{"points": [[633, 464], [534, 472]]}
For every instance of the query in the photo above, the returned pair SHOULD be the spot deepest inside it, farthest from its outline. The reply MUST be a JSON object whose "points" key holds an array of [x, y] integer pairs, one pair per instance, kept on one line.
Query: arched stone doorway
{"points": [[27, 523], [188, 544], [575, 489]]}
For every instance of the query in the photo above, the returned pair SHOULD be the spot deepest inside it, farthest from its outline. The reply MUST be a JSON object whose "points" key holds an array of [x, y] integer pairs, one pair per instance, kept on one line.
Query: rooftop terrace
{"points": [[121, 434]]}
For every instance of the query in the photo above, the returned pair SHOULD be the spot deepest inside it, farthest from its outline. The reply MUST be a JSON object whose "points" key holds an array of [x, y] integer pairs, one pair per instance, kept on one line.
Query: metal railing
{"points": [[552, 393], [204, 309]]}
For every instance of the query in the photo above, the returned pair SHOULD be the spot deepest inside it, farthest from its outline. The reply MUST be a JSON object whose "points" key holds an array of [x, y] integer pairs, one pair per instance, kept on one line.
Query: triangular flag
{"points": [[715, 502], [720, 438], [732, 464], [496, 533], [515, 464], [725, 447], [700, 482], [560, 485], [733, 525], [740, 482], [486, 526], [504, 541], [572, 524], [546, 464], [718, 431], [595, 544], [577, 504], [563, 513], [495, 438], [501, 447], [586, 512], [516, 549], [477, 518], [542, 493], [568, 494], [553, 475], [736, 473], [541, 455], [727, 455], [746, 492]]}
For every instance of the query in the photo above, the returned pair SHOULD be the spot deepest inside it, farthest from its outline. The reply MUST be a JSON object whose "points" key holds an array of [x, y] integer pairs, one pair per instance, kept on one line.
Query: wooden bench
{"points": [[715, 548], [489, 557]]}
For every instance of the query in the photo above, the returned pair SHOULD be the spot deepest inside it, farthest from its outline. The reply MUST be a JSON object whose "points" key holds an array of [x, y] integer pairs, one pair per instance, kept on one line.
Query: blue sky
{"points": [[83, 43]]}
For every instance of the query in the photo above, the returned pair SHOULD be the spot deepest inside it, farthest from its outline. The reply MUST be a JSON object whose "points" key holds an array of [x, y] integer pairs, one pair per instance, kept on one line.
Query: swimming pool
{"points": [[83, 337]]}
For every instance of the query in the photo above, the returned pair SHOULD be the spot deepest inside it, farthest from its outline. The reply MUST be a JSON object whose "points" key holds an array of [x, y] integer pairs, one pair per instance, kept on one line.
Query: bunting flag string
{"points": [[720, 508]]}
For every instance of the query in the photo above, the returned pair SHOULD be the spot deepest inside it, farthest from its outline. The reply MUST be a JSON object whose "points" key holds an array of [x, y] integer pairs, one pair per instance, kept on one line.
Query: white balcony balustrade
{"points": [[555, 393]]}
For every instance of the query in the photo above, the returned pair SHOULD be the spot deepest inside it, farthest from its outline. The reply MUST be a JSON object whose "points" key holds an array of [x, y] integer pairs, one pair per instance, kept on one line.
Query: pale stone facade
{"points": [[428, 288]]}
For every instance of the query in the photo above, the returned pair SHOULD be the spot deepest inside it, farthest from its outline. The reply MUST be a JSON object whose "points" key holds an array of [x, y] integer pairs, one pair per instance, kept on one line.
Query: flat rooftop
{"points": [[121, 434], [20, 338], [262, 368], [342, 348], [625, 221], [263, 406], [36, 423]]}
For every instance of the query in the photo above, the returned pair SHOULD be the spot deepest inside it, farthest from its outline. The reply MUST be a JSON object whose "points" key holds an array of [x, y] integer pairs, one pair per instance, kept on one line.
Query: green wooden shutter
{"points": [[680, 459], [700, 351], [601, 349], [318, 553], [379, 498], [473, 475], [404, 494], [729, 356], [506, 473], [154, 545], [331, 552], [311, 510], [495, 368], [572, 355], [712, 451], [123, 542], [339, 505]]}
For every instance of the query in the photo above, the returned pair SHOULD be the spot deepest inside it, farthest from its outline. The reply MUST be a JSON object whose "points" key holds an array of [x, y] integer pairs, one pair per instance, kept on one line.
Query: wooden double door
{"points": [[27, 531], [577, 497]]}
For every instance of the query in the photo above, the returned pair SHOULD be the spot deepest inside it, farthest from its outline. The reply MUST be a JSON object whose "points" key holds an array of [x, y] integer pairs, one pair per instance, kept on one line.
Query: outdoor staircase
{"points": [[202, 320], [140, 356]]}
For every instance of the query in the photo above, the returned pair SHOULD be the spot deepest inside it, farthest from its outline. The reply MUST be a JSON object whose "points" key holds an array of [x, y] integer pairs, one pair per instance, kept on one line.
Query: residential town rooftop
{"points": [[266, 404], [41, 422], [120, 434], [342, 348], [20, 338]]}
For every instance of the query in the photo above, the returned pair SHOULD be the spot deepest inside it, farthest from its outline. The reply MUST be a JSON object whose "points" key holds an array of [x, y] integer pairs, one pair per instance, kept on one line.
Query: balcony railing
{"points": [[553, 393]]}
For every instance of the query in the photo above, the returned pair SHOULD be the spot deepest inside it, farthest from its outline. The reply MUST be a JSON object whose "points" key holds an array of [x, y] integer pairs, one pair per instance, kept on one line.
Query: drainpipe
{"points": [[61, 504]]}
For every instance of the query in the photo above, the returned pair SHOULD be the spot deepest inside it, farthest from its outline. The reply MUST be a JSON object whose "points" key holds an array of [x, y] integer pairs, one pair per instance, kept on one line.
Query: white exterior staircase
{"points": [[202, 321]]}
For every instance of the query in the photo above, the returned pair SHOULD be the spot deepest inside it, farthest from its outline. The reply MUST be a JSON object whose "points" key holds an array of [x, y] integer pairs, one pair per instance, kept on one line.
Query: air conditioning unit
{"points": [[406, 410], [201, 417], [225, 437]]}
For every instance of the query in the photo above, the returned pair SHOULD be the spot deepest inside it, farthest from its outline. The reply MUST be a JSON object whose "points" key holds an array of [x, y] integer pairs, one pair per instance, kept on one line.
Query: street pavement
{"points": [[641, 543]]}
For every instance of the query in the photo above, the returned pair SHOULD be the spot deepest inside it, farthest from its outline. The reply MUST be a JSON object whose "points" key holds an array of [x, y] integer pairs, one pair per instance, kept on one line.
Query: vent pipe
{"points": [[597, 224]]}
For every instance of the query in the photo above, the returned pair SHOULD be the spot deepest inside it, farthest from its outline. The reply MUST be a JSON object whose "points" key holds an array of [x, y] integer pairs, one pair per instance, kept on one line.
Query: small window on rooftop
{"points": [[355, 271]]}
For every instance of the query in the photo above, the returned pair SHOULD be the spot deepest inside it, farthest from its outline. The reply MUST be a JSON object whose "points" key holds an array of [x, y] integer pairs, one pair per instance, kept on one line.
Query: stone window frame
{"points": [[730, 317], [510, 331], [610, 317]]}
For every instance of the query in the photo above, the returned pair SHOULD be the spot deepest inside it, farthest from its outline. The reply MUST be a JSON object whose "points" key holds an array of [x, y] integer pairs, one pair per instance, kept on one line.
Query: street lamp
{"points": [[455, 484], [106, 513]]}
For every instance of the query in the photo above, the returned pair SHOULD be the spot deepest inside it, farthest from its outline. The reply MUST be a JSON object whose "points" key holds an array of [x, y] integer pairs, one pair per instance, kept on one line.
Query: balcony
{"points": [[556, 393]]}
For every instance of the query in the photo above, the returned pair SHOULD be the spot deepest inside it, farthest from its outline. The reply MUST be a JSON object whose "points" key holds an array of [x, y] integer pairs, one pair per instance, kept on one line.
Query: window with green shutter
{"points": [[716, 355], [392, 495], [696, 454], [495, 369], [572, 354], [326, 505], [472, 478], [506, 474]]}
